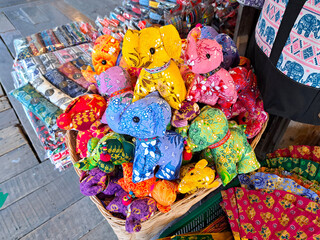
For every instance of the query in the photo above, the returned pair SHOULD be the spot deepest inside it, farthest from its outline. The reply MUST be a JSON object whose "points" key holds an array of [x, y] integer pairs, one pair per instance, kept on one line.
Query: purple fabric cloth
{"points": [[116, 205]]}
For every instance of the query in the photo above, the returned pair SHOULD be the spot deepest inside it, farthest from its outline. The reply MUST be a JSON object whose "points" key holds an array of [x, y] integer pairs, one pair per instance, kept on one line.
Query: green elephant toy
{"points": [[107, 152], [226, 142]]}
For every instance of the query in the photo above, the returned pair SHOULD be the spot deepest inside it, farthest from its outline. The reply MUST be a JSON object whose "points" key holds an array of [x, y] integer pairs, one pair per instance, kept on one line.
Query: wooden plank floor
{"points": [[42, 203]]}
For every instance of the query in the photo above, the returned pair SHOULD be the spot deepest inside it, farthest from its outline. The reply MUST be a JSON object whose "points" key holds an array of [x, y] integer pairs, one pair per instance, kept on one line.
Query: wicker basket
{"points": [[159, 221]]}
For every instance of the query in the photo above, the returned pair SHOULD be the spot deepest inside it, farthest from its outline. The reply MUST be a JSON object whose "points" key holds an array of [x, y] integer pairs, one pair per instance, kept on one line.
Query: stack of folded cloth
{"points": [[48, 78], [279, 201]]}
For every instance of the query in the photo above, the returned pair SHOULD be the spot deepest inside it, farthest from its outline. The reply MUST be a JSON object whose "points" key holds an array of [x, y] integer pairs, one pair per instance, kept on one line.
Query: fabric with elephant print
{"points": [[39, 105], [300, 58], [260, 180], [268, 24], [270, 214], [50, 92]]}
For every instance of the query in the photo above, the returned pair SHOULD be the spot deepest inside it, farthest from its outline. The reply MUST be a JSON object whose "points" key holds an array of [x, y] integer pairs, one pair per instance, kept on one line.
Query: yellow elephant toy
{"points": [[152, 49], [200, 176]]}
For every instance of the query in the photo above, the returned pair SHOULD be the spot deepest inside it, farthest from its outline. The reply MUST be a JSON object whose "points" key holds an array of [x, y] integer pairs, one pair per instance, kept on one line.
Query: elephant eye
{"points": [[208, 55], [152, 50], [103, 62], [136, 119]]}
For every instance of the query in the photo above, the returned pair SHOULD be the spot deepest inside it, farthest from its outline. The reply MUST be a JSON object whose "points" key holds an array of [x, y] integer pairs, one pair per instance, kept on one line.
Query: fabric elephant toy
{"points": [[229, 147], [146, 120], [248, 107], [109, 151], [211, 82], [165, 194], [105, 53], [82, 112], [200, 176], [93, 182], [152, 49]]}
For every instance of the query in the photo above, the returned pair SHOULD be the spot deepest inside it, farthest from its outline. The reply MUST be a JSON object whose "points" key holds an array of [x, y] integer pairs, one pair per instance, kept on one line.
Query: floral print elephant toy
{"points": [[152, 49], [211, 82], [228, 145], [146, 120]]}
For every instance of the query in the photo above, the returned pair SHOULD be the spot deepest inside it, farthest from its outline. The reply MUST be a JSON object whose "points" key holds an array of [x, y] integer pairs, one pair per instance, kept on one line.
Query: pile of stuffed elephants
{"points": [[160, 105]]}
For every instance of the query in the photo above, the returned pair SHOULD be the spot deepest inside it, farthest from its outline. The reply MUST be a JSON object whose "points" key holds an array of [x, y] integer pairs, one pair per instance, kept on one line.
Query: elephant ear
{"points": [[171, 41], [130, 47]]}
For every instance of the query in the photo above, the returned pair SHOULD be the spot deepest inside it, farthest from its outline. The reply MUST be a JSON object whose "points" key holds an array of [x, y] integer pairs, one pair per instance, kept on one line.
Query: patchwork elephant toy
{"points": [[146, 120], [211, 83], [111, 150], [152, 49], [229, 147], [200, 176], [82, 112], [105, 53]]}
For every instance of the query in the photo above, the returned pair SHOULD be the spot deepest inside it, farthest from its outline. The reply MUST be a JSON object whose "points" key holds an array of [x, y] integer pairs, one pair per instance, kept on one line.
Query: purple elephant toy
{"points": [[93, 182], [139, 211]]}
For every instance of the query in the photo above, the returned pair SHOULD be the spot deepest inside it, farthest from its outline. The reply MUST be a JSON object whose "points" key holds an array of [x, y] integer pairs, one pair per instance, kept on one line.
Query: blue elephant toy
{"points": [[146, 120]]}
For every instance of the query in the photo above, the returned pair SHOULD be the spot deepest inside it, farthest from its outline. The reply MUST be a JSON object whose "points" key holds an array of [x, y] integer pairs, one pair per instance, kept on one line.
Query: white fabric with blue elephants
{"points": [[268, 24], [300, 58]]}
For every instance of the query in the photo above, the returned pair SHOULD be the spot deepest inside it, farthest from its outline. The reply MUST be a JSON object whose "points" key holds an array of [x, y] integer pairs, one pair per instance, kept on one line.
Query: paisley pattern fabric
{"points": [[66, 85], [187, 112], [50, 92], [74, 73], [271, 214], [234, 156], [140, 189], [303, 167], [298, 151], [39, 105], [261, 180]]}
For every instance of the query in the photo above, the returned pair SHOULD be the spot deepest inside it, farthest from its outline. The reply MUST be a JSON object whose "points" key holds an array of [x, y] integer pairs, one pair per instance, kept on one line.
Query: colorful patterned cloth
{"points": [[49, 60], [36, 44], [201, 236], [93, 182], [74, 73], [187, 112], [48, 141], [271, 214], [66, 85], [303, 167], [39, 105], [261, 180], [298, 151], [50, 40], [312, 185], [22, 49], [50, 92], [230, 149]]}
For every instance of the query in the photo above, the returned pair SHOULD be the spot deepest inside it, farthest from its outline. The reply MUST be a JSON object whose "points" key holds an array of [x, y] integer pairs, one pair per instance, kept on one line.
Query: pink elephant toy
{"points": [[211, 83]]}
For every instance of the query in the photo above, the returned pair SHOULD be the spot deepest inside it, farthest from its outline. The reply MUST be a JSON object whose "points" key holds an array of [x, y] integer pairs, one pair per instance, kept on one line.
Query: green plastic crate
{"points": [[202, 216]]}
